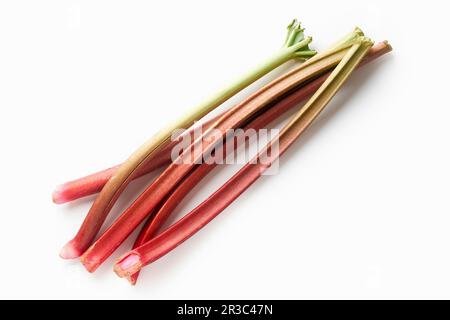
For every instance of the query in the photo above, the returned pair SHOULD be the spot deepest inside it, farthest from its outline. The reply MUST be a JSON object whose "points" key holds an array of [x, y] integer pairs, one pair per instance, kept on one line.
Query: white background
{"points": [[359, 209]]}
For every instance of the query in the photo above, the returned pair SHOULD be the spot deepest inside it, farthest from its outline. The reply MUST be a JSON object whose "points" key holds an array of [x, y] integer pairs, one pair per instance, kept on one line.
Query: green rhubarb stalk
{"points": [[295, 46]]}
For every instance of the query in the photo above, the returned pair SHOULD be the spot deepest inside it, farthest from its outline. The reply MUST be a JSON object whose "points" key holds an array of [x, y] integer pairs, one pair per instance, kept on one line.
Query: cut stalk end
{"points": [[132, 279], [58, 195], [355, 34], [70, 251], [388, 45], [358, 31], [296, 35], [128, 265], [90, 264]]}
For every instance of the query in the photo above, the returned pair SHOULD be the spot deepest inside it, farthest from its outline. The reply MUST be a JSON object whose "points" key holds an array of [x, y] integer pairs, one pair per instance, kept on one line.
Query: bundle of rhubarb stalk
{"points": [[317, 78]]}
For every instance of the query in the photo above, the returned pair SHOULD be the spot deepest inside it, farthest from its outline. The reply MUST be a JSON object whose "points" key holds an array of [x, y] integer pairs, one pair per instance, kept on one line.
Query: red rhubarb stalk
{"points": [[133, 261], [233, 118], [155, 221]]}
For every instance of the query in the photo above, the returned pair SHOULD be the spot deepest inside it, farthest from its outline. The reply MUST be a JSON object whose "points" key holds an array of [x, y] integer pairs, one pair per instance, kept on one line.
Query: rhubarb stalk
{"points": [[133, 261], [295, 46]]}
